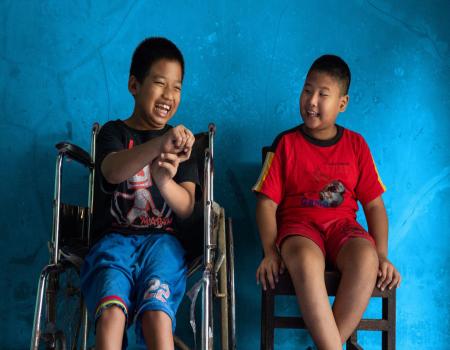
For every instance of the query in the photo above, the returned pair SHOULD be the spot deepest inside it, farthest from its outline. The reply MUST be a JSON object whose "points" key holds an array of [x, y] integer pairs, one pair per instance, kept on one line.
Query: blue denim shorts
{"points": [[136, 273]]}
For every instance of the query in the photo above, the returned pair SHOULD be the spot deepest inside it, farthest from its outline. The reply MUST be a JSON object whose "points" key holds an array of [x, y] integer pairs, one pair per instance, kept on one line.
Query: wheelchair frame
{"points": [[218, 257], [215, 252]]}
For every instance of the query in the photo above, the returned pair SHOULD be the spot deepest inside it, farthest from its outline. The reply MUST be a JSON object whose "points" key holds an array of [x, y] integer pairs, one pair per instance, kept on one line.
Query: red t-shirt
{"points": [[316, 179]]}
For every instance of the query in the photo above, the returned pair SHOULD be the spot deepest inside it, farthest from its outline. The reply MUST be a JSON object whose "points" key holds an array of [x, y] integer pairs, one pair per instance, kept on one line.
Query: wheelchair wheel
{"points": [[60, 341], [222, 288], [226, 285], [64, 305], [231, 296], [69, 308]]}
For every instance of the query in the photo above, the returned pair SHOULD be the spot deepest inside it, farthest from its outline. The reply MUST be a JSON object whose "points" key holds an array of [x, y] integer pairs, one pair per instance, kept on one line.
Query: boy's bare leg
{"points": [[358, 263], [157, 329], [306, 265], [110, 328]]}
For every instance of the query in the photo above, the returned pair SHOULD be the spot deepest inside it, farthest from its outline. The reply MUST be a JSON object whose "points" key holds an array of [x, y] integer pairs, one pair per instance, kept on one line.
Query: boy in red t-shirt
{"points": [[307, 193]]}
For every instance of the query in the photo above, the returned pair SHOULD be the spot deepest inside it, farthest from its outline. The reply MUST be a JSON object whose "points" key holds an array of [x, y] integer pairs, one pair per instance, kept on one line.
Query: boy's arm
{"points": [[377, 223], [120, 166], [271, 265], [179, 197]]}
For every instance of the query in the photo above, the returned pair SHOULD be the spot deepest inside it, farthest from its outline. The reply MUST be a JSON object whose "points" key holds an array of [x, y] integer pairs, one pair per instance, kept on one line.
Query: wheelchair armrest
{"points": [[76, 153]]}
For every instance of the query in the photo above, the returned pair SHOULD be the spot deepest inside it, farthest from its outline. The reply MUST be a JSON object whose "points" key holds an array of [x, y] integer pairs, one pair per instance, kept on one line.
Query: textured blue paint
{"points": [[65, 64]]}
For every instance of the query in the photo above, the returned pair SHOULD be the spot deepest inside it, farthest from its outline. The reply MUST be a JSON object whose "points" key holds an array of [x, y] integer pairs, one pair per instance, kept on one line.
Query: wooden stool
{"points": [[269, 321]]}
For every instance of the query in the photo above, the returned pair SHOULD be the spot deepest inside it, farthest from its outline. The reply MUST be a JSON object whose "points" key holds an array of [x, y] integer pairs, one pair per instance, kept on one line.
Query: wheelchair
{"points": [[61, 319]]}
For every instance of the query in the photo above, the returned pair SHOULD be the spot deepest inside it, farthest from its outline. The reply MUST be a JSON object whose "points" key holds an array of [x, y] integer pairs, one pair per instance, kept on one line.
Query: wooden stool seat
{"points": [[270, 321]]}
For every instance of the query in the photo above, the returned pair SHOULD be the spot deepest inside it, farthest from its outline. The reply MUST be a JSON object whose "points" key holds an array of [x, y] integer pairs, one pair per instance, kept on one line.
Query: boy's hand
{"points": [[388, 276], [164, 168], [178, 140], [187, 149], [270, 267]]}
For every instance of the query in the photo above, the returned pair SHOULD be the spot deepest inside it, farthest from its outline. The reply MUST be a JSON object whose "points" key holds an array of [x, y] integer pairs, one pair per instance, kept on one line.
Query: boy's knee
{"points": [[302, 254], [358, 254], [368, 257], [111, 315], [155, 319]]}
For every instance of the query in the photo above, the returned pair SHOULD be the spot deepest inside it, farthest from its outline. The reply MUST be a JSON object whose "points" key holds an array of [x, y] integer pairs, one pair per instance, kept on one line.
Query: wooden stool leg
{"points": [[388, 337], [352, 342], [267, 320]]}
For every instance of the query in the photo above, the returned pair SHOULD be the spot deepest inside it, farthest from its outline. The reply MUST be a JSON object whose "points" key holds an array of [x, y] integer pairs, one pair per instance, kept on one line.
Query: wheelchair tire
{"points": [[54, 341], [231, 296], [60, 341], [63, 310], [222, 279]]}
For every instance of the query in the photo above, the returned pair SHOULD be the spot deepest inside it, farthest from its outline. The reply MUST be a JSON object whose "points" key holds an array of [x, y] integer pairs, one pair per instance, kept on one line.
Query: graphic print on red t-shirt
{"points": [[331, 196]]}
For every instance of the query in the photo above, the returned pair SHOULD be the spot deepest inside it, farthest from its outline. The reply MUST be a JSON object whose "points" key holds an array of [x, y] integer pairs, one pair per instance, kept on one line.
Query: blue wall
{"points": [[65, 65]]}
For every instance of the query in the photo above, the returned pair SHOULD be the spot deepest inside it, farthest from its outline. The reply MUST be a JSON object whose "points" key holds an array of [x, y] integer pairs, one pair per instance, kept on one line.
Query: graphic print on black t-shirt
{"points": [[137, 208]]}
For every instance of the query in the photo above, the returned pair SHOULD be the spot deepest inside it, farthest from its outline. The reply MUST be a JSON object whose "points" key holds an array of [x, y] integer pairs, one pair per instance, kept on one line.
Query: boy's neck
{"points": [[322, 135], [139, 122]]}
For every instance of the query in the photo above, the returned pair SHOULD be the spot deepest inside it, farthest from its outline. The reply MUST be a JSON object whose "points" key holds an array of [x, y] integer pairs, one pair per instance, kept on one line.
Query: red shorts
{"points": [[329, 235]]}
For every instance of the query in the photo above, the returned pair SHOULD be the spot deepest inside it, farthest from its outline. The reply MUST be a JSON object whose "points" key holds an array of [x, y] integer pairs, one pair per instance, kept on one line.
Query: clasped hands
{"points": [[175, 148]]}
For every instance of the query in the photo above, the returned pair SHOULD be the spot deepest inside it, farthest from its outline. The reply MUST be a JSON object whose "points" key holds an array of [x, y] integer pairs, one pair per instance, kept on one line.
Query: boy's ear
{"points": [[343, 102], [133, 85]]}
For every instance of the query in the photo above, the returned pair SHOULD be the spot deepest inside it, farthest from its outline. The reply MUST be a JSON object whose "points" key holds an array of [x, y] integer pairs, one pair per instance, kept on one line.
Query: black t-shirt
{"points": [[134, 206]]}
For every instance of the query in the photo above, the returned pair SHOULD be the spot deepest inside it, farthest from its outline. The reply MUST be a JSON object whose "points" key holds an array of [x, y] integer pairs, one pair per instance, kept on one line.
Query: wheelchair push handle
{"points": [[75, 152], [212, 128], [95, 128]]}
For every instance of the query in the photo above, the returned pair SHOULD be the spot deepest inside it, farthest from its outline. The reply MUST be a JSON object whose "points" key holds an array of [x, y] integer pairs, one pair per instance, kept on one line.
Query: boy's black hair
{"points": [[151, 50], [336, 68]]}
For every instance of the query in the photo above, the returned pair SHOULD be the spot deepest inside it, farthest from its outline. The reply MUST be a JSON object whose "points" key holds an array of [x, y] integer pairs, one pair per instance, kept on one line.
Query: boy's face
{"points": [[320, 103], [158, 96]]}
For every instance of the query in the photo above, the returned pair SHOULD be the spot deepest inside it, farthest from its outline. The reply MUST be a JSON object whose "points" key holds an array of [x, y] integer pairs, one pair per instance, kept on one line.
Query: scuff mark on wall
{"points": [[418, 205]]}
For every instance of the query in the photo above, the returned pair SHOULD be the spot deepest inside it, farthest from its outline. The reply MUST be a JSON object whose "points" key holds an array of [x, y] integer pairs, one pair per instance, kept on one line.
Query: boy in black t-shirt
{"points": [[136, 270]]}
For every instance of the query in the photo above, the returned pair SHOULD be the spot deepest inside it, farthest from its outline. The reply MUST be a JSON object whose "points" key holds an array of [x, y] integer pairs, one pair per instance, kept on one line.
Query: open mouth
{"points": [[162, 109], [312, 114]]}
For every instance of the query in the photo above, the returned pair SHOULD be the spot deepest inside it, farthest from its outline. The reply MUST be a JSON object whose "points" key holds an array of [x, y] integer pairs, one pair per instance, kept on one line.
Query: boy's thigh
{"points": [[304, 236], [160, 276], [357, 254], [341, 232], [106, 278]]}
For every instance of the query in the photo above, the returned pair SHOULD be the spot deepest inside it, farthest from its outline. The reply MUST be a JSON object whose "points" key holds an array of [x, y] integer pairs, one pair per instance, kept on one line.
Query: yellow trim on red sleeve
{"points": [[378, 175], [264, 171]]}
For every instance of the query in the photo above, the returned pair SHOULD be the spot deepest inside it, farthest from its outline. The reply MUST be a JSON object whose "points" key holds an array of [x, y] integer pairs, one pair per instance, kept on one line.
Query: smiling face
{"points": [[321, 101], [157, 97]]}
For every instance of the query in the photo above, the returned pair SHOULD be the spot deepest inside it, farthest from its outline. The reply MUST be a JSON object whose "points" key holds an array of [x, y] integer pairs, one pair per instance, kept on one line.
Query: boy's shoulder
{"points": [[352, 133], [292, 132], [354, 137], [112, 126]]}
